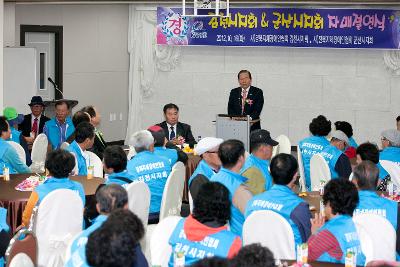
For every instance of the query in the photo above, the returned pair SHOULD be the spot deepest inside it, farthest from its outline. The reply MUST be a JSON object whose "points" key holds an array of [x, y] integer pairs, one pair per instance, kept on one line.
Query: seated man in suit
{"points": [[176, 132], [114, 163], [59, 128], [33, 123], [150, 168], [8, 155], [282, 200], [95, 119]]}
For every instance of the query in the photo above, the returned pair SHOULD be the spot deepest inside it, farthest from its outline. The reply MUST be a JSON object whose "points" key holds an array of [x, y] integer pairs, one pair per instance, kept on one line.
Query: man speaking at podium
{"points": [[246, 100]]}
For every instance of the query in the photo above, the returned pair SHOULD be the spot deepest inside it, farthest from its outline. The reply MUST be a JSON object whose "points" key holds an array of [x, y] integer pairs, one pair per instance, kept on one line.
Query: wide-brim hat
{"points": [[36, 100]]}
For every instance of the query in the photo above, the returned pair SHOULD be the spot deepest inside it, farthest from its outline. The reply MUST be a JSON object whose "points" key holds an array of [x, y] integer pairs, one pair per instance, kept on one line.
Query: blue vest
{"points": [[371, 203], [331, 154], [308, 148], [154, 170], [52, 184], [231, 181], [3, 227], [390, 153], [113, 178], [54, 131], [15, 135], [342, 227], [281, 200], [262, 166], [217, 244], [78, 247], [4, 147], [353, 142], [204, 169], [82, 166], [170, 154]]}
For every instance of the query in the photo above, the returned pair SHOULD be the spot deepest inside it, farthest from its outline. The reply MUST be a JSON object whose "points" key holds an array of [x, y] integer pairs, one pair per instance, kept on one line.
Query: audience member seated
{"points": [[210, 163], [150, 168], [77, 118], [319, 127], [254, 255], [33, 123], [172, 154], [60, 164], [116, 242], [205, 230], [390, 149], [84, 138], [4, 234], [99, 143], [114, 163], [8, 155], [231, 153], [176, 132], [255, 168], [282, 200], [346, 127], [59, 128], [338, 162], [109, 198], [332, 239]]}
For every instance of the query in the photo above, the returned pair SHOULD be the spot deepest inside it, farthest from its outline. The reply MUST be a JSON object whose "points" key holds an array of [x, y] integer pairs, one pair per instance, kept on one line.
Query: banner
{"points": [[286, 27]]}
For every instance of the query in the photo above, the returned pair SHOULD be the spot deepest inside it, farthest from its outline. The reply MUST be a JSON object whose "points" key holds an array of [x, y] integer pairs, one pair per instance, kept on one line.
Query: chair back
{"points": [[21, 260], [271, 230], [393, 169], [191, 204], [139, 200], [59, 218], [319, 170], [64, 145], [27, 246], [39, 152], [20, 150], [96, 162], [160, 249], [283, 147], [377, 243], [171, 202], [302, 180]]}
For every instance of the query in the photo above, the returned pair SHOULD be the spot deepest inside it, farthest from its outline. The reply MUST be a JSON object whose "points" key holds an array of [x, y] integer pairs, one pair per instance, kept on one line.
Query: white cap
{"points": [[340, 135], [207, 144]]}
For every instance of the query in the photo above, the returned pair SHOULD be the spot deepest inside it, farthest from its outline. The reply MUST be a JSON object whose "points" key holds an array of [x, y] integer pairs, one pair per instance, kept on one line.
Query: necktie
{"points": [[244, 96], [172, 134], [35, 126]]}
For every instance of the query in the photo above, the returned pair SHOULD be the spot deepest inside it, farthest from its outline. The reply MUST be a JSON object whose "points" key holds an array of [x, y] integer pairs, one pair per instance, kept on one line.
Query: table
{"points": [[15, 201], [191, 165]]}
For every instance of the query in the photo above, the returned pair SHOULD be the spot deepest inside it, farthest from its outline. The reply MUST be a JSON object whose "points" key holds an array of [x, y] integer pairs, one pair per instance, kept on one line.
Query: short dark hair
{"points": [[368, 151], [115, 242], [244, 71], [60, 163], [89, 110], [115, 157], [212, 204], [168, 106], [84, 130], [256, 145], [230, 151], [254, 255], [367, 175], [320, 126], [3, 125], [211, 262], [111, 197], [61, 102], [159, 138], [342, 196], [79, 117], [283, 167], [345, 127], [398, 118]]}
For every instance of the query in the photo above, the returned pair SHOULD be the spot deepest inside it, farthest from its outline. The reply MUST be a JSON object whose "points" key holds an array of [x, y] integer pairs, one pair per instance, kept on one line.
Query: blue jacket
{"points": [[170, 154], [52, 131], [308, 148], [371, 203], [82, 166], [113, 178], [78, 247], [390, 153], [204, 169], [280, 199], [3, 227], [331, 154], [231, 181], [52, 184], [153, 170], [9, 158], [15, 135], [342, 227], [260, 164]]}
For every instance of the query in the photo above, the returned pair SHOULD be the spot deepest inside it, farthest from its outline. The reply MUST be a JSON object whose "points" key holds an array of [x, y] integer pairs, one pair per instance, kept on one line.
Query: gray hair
{"points": [[142, 140]]}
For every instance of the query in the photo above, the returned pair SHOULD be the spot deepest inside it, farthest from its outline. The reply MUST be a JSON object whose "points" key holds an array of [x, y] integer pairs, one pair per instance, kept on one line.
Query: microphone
{"points": [[55, 87]]}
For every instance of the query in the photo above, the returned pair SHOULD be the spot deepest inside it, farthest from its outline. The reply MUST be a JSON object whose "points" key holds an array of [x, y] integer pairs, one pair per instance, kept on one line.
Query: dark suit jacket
{"points": [[25, 127], [182, 129], [99, 146], [254, 110]]}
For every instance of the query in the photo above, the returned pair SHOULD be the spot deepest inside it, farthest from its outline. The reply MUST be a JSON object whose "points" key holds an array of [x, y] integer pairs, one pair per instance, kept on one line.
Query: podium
{"points": [[50, 110], [234, 127]]}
